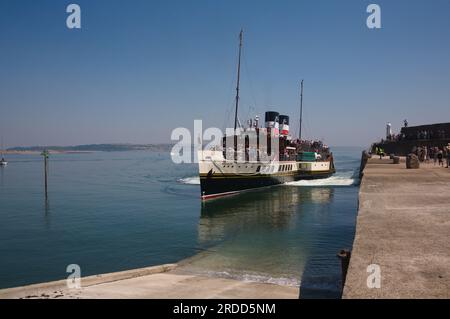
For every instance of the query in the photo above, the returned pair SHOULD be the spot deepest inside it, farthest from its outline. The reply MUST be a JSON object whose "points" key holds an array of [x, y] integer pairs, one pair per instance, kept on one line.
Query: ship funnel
{"points": [[272, 119], [284, 124]]}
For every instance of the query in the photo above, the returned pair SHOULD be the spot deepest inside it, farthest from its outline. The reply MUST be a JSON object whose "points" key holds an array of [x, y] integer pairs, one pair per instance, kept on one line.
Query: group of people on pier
{"points": [[435, 153]]}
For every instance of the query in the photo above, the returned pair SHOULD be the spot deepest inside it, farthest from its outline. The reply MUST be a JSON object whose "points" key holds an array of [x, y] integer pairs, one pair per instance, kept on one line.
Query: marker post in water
{"points": [[45, 154]]}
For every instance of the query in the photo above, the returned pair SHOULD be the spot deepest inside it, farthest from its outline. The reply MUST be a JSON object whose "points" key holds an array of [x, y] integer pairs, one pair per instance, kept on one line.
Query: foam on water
{"points": [[194, 180], [252, 277], [339, 179]]}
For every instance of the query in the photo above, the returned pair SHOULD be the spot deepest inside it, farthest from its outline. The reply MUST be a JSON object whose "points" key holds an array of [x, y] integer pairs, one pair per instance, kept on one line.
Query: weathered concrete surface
{"points": [[403, 225], [153, 282]]}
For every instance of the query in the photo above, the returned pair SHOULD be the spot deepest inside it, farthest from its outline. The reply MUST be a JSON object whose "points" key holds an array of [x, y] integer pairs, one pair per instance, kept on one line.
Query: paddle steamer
{"points": [[257, 156]]}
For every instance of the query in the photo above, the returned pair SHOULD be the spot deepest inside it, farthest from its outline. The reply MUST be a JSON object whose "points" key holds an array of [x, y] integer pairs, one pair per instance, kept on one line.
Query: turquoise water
{"points": [[114, 211]]}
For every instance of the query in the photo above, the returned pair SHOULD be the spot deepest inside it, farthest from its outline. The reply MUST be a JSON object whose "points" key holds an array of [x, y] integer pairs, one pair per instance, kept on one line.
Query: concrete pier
{"points": [[165, 281], [403, 226]]}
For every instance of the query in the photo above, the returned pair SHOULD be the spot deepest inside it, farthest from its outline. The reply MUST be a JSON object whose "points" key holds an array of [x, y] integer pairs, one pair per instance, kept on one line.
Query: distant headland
{"points": [[87, 148]]}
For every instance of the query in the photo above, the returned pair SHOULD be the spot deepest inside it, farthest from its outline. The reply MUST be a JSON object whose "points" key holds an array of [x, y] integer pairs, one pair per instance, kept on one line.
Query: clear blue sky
{"points": [[138, 69]]}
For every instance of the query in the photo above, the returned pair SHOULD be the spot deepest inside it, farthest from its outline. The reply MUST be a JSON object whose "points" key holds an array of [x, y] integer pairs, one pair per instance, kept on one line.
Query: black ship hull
{"points": [[228, 184]]}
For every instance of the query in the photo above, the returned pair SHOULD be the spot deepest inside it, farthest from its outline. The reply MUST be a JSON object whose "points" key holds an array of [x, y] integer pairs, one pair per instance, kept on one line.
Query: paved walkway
{"points": [[403, 226]]}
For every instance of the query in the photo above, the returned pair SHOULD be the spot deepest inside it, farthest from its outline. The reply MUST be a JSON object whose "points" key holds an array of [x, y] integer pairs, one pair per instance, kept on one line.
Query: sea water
{"points": [[112, 211]]}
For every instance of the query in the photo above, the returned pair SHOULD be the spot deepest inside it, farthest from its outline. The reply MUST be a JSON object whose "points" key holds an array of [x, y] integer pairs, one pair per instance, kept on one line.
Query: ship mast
{"points": [[238, 79], [301, 110]]}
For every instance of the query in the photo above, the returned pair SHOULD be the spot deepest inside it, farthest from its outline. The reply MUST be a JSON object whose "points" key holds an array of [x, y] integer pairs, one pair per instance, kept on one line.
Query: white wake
{"points": [[339, 179], [195, 180]]}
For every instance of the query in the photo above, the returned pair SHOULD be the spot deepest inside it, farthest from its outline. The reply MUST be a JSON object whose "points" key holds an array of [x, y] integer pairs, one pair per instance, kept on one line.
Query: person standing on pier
{"points": [[448, 155], [440, 156], [435, 155], [379, 152]]}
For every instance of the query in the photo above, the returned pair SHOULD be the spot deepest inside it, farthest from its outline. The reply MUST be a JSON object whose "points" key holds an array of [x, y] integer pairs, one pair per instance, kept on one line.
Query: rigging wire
{"points": [[250, 108], [306, 125], [251, 88], [229, 107]]}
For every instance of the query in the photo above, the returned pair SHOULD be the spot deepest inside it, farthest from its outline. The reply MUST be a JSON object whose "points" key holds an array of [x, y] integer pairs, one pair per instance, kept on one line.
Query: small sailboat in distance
{"points": [[3, 162]]}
